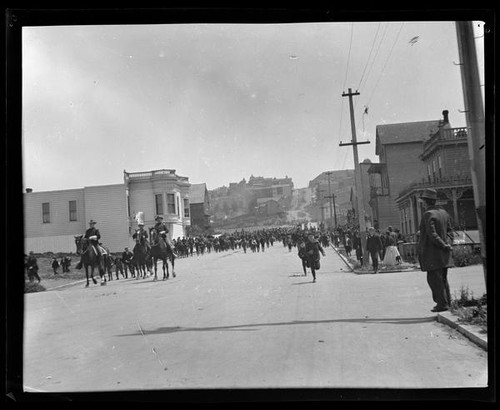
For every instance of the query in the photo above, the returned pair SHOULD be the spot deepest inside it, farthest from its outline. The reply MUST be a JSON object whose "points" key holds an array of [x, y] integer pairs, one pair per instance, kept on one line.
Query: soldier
{"points": [[142, 235], [93, 235], [161, 229]]}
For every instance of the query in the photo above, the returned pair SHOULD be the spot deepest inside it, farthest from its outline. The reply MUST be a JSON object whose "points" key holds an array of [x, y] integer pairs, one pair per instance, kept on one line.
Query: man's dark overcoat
{"points": [[374, 243], [431, 247]]}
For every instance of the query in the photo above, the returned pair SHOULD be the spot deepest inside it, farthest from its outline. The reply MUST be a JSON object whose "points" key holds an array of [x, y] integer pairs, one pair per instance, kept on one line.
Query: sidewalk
{"points": [[476, 284]]}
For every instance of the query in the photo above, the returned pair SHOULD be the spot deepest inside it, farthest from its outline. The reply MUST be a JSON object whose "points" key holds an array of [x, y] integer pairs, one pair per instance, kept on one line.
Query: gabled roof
{"points": [[197, 193], [405, 132]]}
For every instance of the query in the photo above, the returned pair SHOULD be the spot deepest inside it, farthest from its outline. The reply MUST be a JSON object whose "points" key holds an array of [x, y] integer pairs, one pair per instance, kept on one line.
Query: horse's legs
{"points": [[92, 275], [165, 269], [87, 275], [102, 273], [155, 261], [173, 264]]}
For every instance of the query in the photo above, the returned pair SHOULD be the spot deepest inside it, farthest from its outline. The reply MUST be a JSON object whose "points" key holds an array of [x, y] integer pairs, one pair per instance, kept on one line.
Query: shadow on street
{"points": [[392, 321]]}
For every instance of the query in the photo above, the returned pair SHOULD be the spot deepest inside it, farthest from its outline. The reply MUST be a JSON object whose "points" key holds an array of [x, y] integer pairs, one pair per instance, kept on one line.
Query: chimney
{"points": [[28, 190], [445, 117]]}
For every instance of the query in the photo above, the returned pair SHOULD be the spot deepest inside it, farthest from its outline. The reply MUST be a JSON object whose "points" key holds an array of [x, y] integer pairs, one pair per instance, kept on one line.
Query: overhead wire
{"points": [[348, 57], [376, 54], [361, 118], [385, 63], [343, 86], [369, 55]]}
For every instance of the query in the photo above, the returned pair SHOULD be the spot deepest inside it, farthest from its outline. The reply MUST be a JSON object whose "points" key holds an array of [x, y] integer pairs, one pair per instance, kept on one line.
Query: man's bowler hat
{"points": [[92, 221]]}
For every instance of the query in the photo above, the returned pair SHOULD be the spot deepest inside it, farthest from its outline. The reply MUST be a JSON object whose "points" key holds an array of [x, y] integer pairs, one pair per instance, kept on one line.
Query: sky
{"points": [[221, 102]]}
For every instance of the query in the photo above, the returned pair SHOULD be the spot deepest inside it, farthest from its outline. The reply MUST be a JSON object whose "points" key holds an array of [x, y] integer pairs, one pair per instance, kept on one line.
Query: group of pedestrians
{"points": [[434, 249], [383, 248]]}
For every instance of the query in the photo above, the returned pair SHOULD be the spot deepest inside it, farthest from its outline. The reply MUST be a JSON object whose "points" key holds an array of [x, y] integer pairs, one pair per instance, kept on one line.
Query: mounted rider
{"points": [[141, 235], [162, 230], [93, 235]]}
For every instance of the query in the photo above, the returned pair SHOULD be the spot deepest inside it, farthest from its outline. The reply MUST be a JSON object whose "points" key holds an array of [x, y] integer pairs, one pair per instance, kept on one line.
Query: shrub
{"points": [[464, 255], [469, 309]]}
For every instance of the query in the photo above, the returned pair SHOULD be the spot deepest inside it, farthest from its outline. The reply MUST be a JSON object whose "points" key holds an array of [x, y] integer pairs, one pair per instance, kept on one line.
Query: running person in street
{"points": [[313, 250]]}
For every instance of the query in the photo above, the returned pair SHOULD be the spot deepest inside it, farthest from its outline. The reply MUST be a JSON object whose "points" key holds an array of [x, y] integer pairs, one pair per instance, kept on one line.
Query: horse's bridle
{"points": [[80, 241]]}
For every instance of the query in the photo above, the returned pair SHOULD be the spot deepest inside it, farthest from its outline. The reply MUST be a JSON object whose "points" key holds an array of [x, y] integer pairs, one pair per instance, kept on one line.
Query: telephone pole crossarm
{"points": [[341, 144]]}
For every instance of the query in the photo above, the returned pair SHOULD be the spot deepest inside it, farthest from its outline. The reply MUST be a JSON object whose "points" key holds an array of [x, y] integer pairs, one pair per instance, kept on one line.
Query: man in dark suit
{"points": [[126, 258], [374, 247], [433, 249]]}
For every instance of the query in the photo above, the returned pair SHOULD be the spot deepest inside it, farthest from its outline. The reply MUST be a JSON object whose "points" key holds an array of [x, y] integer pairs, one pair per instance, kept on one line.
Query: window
{"points": [[440, 167], [46, 213], [178, 206], [72, 211], [171, 203], [159, 204], [186, 207]]}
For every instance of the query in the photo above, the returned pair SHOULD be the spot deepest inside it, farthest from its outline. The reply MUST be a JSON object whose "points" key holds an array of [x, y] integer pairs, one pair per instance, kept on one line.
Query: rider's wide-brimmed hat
{"points": [[158, 217]]}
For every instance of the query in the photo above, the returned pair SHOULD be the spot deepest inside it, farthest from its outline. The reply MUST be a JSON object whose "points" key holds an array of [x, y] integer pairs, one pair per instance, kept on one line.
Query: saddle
{"points": [[101, 249]]}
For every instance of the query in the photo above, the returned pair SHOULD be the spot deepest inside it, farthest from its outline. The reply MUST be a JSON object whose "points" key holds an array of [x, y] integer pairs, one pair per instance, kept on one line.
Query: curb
{"points": [[343, 258], [469, 331], [382, 271], [360, 272]]}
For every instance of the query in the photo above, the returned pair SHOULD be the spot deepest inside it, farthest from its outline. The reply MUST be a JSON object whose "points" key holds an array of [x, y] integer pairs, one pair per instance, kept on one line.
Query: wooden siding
{"points": [[107, 205], [59, 225], [63, 243], [403, 167]]}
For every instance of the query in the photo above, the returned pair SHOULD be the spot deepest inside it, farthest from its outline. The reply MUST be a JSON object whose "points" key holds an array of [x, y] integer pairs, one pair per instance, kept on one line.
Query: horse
{"points": [[140, 259], [160, 250], [90, 259]]}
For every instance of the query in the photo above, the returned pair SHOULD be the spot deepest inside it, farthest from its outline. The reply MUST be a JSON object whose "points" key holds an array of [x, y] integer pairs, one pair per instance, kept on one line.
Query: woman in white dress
{"points": [[392, 256]]}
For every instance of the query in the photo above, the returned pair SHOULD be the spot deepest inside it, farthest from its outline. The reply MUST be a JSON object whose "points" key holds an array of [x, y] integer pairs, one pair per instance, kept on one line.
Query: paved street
{"points": [[235, 320]]}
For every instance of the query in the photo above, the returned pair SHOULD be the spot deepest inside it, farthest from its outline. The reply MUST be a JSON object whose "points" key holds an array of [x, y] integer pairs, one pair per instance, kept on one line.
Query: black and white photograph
{"points": [[283, 204]]}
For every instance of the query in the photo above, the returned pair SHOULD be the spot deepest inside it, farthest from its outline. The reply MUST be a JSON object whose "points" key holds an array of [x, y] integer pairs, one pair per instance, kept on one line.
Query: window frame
{"points": [[73, 213], [171, 204], [187, 211], [159, 204], [46, 212]]}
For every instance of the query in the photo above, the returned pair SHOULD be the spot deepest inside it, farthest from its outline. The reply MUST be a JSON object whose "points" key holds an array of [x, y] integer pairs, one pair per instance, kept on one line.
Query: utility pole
{"points": [[357, 172], [474, 114], [322, 198], [330, 195]]}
